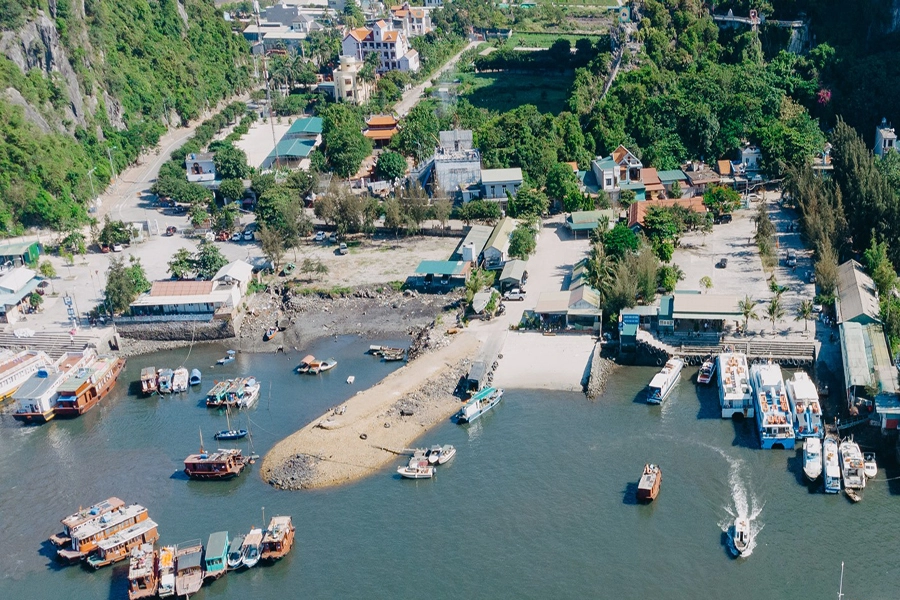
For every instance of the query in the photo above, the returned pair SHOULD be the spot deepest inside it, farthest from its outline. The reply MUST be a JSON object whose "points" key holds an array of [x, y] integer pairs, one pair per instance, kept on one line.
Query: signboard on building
{"points": [[667, 322], [631, 319]]}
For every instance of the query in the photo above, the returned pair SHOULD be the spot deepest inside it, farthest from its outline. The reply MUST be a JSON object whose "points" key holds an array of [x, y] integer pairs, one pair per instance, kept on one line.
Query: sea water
{"points": [[539, 501]]}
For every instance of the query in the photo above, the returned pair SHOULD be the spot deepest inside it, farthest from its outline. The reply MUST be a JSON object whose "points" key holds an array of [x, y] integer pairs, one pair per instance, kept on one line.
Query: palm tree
{"points": [[804, 313], [747, 306], [600, 269], [774, 310]]}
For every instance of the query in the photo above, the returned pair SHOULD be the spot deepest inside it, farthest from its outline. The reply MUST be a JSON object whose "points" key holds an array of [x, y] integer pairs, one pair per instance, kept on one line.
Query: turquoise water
{"points": [[538, 503]]}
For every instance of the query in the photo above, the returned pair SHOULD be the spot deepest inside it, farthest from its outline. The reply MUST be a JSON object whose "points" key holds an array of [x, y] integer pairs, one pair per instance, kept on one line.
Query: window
{"points": [[608, 182]]}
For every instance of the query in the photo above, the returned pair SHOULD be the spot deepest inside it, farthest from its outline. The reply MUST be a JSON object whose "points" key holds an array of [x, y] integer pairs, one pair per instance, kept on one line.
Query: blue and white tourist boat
{"points": [[773, 414], [664, 382], [812, 458], [480, 403], [805, 407], [832, 465], [735, 394]]}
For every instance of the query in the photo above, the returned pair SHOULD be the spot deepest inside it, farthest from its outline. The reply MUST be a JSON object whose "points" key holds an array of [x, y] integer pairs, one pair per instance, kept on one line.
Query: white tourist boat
{"points": [[774, 419], [15, 369], [664, 382], [812, 458], [832, 465], [417, 468], [251, 548], [741, 536], [870, 466], [180, 380], [852, 465], [805, 407], [707, 371], [251, 393], [480, 403], [447, 453], [735, 393]]}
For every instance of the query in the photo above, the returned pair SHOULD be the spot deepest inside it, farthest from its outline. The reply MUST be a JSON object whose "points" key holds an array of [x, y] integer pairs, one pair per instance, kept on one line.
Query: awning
{"points": [[553, 303], [709, 316]]}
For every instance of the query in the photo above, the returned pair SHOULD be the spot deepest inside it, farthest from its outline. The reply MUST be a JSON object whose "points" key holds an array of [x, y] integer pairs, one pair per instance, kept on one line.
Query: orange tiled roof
{"points": [[181, 288], [637, 210], [574, 165], [360, 33], [381, 134], [389, 36], [382, 121], [619, 153]]}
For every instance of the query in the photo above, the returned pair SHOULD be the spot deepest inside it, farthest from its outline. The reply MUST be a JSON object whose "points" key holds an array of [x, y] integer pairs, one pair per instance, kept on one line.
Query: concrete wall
{"points": [[179, 330]]}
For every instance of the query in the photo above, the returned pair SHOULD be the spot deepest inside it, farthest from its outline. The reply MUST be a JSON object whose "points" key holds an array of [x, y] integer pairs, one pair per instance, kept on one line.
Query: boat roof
{"points": [[148, 372], [191, 559], [658, 380], [141, 562], [236, 543], [308, 359], [254, 537], [802, 387], [167, 557], [106, 521], [89, 514], [126, 535], [278, 527], [83, 375], [39, 383], [220, 456], [813, 441], [217, 544]]}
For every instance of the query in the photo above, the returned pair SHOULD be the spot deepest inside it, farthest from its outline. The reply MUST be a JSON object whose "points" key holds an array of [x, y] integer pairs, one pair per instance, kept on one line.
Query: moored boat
{"points": [[852, 465], [166, 571], [480, 403], [216, 555], [180, 380], [228, 358], [148, 380], [231, 434], [196, 377], [142, 573], [735, 393], [251, 548], [741, 536], [270, 333], [235, 553], [36, 398], [278, 539], [249, 394], [15, 369], [119, 545], [416, 469], [216, 396], [75, 521], [447, 453], [832, 465], [221, 464], [707, 371], [86, 537], [165, 381], [189, 568], [870, 466], [649, 484], [320, 366], [774, 419], [664, 382], [87, 386], [434, 454], [807, 412], [305, 363], [812, 458]]}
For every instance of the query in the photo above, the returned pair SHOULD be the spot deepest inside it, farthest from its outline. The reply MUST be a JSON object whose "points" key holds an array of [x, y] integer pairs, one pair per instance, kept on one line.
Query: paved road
{"points": [[413, 95]]}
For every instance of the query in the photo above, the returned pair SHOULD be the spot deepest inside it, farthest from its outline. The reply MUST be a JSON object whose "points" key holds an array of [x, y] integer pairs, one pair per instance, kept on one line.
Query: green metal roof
{"points": [[16, 248], [606, 164], [636, 186], [670, 176], [441, 267], [629, 329], [589, 219], [311, 125], [293, 148], [217, 545]]}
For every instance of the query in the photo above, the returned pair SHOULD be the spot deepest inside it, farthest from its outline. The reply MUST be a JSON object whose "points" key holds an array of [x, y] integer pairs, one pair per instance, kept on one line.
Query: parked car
{"points": [[722, 264], [514, 294], [248, 236], [117, 247], [171, 230], [342, 249], [236, 236], [332, 238], [726, 218], [791, 258], [320, 236]]}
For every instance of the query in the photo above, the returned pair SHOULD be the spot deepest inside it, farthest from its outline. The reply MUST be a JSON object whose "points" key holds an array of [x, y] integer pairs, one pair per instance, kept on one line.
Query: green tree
{"points": [[561, 180], [804, 313], [522, 242], [124, 283], [393, 215], [627, 198], [483, 211], [774, 310], [706, 282], [668, 277], [181, 264], [826, 269], [231, 163], [414, 205], [345, 145], [620, 240], [232, 189], [418, 134], [47, 270], [390, 166], [114, 232], [600, 269], [272, 244], [208, 260], [198, 215], [302, 182], [675, 190], [528, 202], [722, 200], [747, 308], [35, 300], [441, 208], [879, 266]]}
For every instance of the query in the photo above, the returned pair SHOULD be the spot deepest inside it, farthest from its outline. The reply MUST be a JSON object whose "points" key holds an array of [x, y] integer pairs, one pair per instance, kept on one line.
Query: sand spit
{"points": [[356, 439]]}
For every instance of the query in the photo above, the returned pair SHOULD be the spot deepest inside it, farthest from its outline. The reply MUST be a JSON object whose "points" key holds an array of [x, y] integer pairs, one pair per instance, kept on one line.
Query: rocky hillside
{"points": [[79, 77]]}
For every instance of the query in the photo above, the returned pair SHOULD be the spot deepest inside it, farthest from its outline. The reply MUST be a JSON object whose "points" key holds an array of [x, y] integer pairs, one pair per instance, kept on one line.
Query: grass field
{"points": [[543, 40], [505, 91]]}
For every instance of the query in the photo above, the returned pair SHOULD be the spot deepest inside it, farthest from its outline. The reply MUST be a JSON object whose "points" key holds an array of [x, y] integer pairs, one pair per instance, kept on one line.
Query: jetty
{"points": [[694, 350]]}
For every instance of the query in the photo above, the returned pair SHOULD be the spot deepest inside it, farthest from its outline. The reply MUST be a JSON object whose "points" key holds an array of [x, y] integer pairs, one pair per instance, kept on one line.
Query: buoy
{"points": [[658, 362]]}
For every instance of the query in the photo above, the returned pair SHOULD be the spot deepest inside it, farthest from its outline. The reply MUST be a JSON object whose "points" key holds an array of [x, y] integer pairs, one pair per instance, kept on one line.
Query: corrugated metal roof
{"points": [[16, 279], [181, 288], [867, 360], [305, 125], [489, 176], [857, 298], [513, 270], [705, 306], [442, 267], [478, 236], [499, 239], [671, 176], [552, 303]]}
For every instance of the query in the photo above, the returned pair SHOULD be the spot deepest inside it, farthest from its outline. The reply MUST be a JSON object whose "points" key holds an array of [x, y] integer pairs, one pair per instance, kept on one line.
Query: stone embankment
{"points": [[601, 368]]}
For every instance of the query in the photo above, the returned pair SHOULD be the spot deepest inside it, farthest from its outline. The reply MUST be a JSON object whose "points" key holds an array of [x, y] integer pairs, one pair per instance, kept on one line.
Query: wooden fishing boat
{"points": [[87, 387], [278, 539], [221, 464], [189, 568], [119, 545], [303, 367], [649, 484], [320, 366], [148, 380], [143, 579]]}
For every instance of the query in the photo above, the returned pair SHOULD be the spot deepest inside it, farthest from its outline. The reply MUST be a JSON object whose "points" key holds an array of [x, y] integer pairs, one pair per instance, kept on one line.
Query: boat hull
{"points": [[79, 408], [35, 417]]}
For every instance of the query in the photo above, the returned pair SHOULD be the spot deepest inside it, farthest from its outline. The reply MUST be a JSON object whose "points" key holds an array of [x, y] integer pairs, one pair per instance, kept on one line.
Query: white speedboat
{"points": [[852, 465], [228, 358], [480, 403], [707, 371], [250, 394], [812, 458], [252, 543], [235, 553], [180, 380], [447, 453], [741, 536], [434, 455], [870, 466], [419, 471], [664, 382], [832, 465]]}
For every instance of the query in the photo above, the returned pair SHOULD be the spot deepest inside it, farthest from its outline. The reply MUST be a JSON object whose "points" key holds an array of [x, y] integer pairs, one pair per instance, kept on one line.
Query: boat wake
{"points": [[744, 505]]}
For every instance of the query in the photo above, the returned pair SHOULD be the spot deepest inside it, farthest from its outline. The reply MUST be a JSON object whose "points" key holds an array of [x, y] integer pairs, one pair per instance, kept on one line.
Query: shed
{"points": [[473, 244], [495, 251], [19, 253], [857, 298], [513, 274], [588, 220], [476, 377], [443, 273], [707, 307], [868, 368], [480, 301]]}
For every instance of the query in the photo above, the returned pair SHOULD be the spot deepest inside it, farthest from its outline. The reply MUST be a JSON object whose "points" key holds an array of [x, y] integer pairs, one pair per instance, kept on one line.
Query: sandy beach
{"points": [[350, 442]]}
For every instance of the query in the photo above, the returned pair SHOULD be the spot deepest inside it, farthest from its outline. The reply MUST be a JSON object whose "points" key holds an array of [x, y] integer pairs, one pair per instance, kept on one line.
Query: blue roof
{"points": [[670, 176], [605, 164], [293, 148], [636, 186], [311, 125], [588, 180], [11, 299], [441, 267]]}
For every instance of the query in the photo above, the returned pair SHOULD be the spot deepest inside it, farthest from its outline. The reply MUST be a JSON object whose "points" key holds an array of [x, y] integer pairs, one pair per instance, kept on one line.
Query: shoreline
{"points": [[368, 431]]}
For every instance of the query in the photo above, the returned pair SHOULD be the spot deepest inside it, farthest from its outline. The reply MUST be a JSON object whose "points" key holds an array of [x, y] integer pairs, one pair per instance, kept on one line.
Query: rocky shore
{"points": [[601, 369], [373, 428]]}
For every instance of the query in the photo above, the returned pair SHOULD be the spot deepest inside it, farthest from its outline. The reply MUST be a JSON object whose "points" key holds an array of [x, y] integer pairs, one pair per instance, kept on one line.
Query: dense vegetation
{"points": [[153, 65]]}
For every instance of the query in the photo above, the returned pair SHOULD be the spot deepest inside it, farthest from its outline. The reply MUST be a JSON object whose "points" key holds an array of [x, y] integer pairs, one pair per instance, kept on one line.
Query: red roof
{"points": [[181, 288], [637, 210]]}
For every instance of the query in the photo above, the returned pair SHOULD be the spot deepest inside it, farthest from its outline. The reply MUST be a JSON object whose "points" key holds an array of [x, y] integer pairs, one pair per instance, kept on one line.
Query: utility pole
{"points": [[266, 81], [112, 167], [91, 177]]}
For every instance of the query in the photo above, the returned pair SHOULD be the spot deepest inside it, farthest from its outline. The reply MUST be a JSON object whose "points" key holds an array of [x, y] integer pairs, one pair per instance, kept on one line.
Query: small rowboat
{"points": [[305, 364], [231, 434], [229, 357]]}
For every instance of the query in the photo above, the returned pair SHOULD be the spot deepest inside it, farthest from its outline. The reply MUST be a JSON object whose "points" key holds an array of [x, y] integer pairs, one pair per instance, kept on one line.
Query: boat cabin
{"points": [[216, 554], [189, 568], [221, 464], [87, 536], [119, 545], [278, 538], [142, 581], [76, 520]]}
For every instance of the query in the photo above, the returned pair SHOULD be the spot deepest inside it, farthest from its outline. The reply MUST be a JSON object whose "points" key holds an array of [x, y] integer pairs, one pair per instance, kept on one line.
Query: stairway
{"points": [[54, 343]]}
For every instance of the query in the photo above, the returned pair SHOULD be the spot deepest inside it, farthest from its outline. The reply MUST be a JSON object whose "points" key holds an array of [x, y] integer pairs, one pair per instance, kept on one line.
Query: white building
{"points": [[621, 169], [751, 158], [496, 183], [411, 20], [392, 47], [496, 250], [200, 168], [348, 85], [16, 286], [289, 12], [885, 138]]}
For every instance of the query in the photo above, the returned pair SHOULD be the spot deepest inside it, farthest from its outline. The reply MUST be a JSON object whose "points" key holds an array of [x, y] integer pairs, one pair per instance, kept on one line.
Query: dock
{"points": [[782, 352]]}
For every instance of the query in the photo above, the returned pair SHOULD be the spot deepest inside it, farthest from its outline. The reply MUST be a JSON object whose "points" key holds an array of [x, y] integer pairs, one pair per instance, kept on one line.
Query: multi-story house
{"points": [[392, 47]]}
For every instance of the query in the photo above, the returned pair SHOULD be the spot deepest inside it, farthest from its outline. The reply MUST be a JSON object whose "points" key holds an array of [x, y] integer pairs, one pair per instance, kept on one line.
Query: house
{"points": [[723, 167], [413, 21], [295, 146], [497, 247], [454, 166], [885, 138], [391, 46], [238, 273], [751, 158], [290, 14], [194, 300], [653, 187], [496, 183], [618, 171], [434, 3], [700, 176], [473, 244], [16, 286], [670, 178], [638, 210], [589, 220], [200, 167], [381, 128], [513, 275], [348, 85], [857, 297], [267, 37], [442, 274], [16, 254], [578, 308]]}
